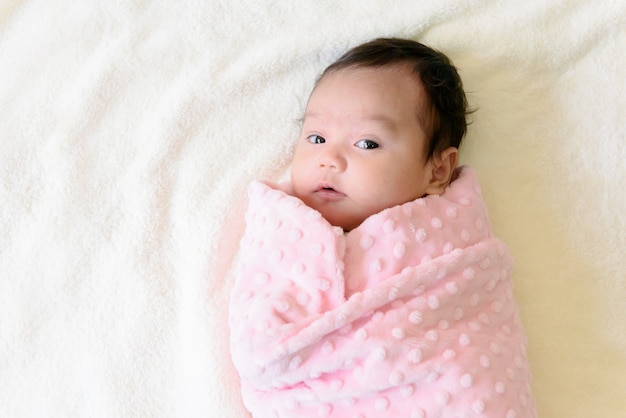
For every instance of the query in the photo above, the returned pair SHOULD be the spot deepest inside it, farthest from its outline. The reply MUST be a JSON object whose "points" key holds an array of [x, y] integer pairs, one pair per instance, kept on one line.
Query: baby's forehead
{"points": [[404, 69], [398, 84]]}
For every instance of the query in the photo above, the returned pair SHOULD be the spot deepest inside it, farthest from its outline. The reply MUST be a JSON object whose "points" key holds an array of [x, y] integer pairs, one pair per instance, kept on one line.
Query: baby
{"points": [[382, 127], [371, 285]]}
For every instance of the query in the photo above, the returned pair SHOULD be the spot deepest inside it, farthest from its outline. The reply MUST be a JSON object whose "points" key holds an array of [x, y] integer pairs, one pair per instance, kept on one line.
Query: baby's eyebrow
{"points": [[309, 115], [383, 119]]}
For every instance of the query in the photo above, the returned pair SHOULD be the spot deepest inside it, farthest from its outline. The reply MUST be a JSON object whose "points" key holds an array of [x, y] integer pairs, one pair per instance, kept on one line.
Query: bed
{"points": [[130, 130]]}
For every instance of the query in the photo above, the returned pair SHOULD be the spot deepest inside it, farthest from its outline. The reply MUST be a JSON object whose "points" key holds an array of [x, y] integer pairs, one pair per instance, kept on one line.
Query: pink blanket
{"points": [[411, 314]]}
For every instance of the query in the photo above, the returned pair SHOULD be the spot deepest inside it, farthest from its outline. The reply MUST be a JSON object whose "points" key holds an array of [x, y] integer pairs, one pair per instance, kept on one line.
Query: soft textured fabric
{"points": [[411, 314]]}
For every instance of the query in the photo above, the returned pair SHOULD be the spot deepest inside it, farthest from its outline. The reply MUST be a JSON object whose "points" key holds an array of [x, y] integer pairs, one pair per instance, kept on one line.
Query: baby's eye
{"points": [[316, 139], [366, 144]]}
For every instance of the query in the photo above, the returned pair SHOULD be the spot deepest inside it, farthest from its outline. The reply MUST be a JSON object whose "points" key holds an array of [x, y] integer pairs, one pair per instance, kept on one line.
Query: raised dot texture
{"points": [[415, 355], [292, 403], [317, 248], [376, 266], [442, 398], [275, 223], [398, 333], [396, 378], [478, 407], [523, 400], [452, 287], [418, 413], [466, 380], [420, 235], [295, 363], [262, 278], [432, 377], [510, 373], [449, 354], [458, 314], [324, 410], [407, 390], [388, 226], [298, 268], [469, 273], [303, 298], [336, 385], [441, 273], [327, 348], [323, 284], [399, 250], [352, 402], [415, 317], [361, 335], [484, 361], [366, 242], [279, 351], [281, 305], [500, 388], [380, 354], [436, 223], [276, 256], [382, 404]]}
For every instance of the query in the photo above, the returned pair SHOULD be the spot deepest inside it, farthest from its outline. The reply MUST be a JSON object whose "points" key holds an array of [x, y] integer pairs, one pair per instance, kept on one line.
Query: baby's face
{"points": [[363, 144]]}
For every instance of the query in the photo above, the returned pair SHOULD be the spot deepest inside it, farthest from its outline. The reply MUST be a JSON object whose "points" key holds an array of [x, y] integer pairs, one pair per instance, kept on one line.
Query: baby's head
{"points": [[382, 127]]}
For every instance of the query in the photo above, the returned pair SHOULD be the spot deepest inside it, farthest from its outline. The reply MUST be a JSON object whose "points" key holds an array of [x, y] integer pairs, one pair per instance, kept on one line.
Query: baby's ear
{"points": [[442, 166]]}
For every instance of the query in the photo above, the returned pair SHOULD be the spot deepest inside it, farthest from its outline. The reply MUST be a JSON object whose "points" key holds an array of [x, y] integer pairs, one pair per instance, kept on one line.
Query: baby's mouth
{"points": [[327, 191]]}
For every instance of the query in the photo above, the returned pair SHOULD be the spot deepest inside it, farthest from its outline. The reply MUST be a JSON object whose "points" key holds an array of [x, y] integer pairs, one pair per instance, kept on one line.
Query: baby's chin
{"points": [[347, 222], [337, 216]]}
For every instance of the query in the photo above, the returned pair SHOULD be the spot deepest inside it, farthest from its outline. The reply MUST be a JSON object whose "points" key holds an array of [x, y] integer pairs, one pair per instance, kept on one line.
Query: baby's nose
{"points": [[333, 159]]}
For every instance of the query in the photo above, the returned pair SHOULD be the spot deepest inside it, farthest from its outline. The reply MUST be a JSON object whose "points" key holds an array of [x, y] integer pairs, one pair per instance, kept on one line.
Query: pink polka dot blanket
{"points": [[411, 314]]}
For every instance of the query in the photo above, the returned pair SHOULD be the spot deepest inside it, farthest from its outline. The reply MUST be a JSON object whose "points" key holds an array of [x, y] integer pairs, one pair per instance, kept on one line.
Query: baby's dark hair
{"points": [[439, 77]]}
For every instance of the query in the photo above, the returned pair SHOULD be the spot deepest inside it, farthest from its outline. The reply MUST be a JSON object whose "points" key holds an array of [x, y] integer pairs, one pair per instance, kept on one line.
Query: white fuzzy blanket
{"points": [[129, 131]]}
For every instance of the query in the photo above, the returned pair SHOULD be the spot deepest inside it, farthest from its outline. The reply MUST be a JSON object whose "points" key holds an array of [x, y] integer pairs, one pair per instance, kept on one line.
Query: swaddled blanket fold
{"points": [[411, 314]]}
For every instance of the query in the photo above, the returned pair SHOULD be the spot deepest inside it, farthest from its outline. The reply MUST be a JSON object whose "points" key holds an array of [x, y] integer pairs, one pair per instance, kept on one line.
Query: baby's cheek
{"points": [[286, 187]]}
